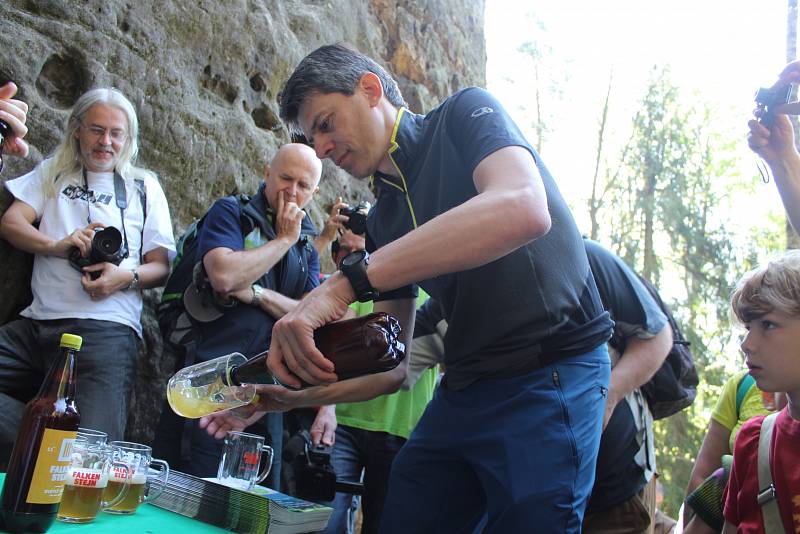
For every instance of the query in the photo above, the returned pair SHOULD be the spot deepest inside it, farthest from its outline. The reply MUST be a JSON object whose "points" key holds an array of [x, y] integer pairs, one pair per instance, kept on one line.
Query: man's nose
{"points": [[323, 147]]}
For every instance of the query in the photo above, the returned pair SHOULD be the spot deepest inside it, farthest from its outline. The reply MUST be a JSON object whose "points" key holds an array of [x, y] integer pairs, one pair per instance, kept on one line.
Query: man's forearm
{"points": [[787, 179], [154, 272], [486, 227], [640, 361], [276, 304], [24, 236], [230, 270], [359, 389]]}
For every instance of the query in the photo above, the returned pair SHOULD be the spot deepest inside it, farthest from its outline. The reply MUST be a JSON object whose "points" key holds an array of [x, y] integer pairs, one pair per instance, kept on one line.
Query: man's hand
{"points": [[112, 278], [292, 353], [774, 144], [80, 238], [335, 222], [611, 402], [288, 219], [323, 429], [244, 295], [14, 113], [275, 398], [220, 423]]}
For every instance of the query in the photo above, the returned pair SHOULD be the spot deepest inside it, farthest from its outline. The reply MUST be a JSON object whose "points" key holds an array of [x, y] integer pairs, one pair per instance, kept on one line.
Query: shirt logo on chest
{"points": [[74, 191]]}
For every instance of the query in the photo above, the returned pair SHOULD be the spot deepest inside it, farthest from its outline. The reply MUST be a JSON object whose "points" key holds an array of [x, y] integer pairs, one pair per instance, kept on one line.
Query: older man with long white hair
{"points": [[90, 183]]}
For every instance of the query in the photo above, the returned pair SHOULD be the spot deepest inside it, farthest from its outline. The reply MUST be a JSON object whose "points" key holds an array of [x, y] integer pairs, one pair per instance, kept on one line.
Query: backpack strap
{"points": [[767, 497], [745, 383]]}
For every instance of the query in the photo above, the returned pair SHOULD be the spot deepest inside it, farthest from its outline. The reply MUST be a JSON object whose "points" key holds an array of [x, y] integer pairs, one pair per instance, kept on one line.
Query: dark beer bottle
{"points": [[40, 459], [364, 345]]}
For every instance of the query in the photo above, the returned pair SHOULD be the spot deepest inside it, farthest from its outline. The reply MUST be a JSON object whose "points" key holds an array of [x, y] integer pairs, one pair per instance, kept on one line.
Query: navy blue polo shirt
{"points": [[619, 475], [537, 304]]}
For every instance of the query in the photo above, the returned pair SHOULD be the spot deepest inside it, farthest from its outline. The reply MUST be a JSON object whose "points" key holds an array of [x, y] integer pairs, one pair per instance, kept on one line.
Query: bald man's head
{"points": [[294, 171]]}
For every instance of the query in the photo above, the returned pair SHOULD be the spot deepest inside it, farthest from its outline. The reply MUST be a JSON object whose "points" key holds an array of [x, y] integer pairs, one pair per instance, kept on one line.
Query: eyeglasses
{"points": [[117, 135]]}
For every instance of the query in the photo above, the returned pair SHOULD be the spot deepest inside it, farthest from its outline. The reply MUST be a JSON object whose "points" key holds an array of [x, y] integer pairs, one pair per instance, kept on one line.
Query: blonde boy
{"points": [[767, 302]]}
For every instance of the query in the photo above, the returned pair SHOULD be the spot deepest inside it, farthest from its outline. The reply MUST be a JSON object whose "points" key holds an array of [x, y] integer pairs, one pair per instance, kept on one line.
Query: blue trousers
{"points": [[354, 451], [521, 450]]}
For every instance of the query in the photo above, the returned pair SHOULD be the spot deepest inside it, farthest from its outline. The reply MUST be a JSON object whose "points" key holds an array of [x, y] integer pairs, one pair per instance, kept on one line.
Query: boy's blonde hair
{"points": [[771, 287]]}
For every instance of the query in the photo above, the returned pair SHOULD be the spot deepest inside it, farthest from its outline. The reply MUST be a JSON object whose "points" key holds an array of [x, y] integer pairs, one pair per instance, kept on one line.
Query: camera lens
{"points": [[107, 241]]}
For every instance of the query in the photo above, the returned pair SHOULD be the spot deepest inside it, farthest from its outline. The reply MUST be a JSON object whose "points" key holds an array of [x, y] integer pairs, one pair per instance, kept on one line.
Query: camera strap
{"points": [[121, 197]]}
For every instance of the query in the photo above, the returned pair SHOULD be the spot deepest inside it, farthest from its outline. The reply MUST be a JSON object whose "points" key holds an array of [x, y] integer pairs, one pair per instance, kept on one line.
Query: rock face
{"points": [[204, 76]]}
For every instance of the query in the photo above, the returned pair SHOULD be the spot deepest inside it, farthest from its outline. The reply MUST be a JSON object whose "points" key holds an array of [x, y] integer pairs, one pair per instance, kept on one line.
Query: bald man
{"points": [[258, 260]]}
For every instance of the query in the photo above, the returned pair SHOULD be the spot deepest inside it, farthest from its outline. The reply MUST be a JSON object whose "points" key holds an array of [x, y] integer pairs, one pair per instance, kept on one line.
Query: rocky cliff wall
{"points": [[204, 76]]}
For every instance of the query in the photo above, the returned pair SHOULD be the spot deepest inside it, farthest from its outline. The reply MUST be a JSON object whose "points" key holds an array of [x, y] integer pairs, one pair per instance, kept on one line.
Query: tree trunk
{"points": [[594, 201]]}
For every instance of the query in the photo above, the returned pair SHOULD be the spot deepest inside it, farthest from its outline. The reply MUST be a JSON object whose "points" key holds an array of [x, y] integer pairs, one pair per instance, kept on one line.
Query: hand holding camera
{"points": [[356, 217], [105, 246], [771, 135]]}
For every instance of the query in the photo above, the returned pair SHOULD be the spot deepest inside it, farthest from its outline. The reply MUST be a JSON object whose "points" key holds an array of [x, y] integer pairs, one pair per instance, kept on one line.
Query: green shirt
{"points": [[395, 414]]}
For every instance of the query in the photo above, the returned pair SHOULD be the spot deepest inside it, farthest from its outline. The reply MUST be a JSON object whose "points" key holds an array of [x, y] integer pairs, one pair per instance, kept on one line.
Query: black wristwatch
{"points": [[354, 267]]}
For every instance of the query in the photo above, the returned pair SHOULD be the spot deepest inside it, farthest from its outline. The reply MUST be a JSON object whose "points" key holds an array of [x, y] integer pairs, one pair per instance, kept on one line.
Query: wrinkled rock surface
{"points": [[204, 76]]}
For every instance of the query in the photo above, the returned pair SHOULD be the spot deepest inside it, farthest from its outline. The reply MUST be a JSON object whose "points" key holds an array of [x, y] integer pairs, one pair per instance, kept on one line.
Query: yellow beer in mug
{"points": [[135, 495], [86, 488], [138, 458]]}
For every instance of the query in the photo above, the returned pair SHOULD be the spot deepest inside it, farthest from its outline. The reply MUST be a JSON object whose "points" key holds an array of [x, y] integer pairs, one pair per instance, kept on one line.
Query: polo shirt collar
{"points": [[406, 136]]}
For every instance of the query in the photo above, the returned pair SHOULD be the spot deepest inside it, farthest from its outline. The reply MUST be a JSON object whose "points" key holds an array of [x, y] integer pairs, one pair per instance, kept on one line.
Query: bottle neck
{"points": [[60, 380], [253, 371]]}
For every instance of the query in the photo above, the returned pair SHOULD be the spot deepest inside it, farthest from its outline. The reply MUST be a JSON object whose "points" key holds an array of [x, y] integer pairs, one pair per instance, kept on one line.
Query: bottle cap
{"points": [[71, 341]]}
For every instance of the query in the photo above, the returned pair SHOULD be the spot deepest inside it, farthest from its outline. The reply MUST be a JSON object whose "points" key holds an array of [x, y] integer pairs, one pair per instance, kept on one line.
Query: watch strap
{"points": [[356, 274], [135, 283]]}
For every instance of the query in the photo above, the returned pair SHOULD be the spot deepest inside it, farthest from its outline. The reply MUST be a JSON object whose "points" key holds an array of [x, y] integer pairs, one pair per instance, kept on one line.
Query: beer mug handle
{"points": [[266, 456], [123, 492], [163, 483]]}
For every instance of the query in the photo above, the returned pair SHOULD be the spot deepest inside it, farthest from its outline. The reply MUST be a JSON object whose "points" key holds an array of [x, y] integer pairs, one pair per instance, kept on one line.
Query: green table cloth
{"points": [[148, 519]]}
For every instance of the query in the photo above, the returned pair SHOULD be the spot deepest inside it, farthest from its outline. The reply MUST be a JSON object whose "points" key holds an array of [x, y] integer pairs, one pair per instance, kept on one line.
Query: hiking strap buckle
{"points": [[767, 494]]}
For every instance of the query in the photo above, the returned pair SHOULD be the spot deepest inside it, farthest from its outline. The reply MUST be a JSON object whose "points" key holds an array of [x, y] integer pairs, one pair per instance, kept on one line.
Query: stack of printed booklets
{"points": [[258, 511]]}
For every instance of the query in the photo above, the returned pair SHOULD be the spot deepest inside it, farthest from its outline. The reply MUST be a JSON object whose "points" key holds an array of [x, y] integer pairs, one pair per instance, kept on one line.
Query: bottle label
{"points": [[52, 467]]}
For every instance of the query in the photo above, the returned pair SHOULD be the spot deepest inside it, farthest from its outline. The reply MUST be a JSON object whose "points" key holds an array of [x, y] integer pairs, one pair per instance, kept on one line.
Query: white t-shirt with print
{"points": [[56, 285]]}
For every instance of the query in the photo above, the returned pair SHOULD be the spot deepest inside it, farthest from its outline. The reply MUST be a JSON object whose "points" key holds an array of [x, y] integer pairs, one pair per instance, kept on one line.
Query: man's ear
{"points": [[370, 86], [266, 172]]}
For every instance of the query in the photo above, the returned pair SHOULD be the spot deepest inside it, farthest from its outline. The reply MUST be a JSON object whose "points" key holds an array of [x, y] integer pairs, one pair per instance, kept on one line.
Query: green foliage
{"points": [[665, 212]]}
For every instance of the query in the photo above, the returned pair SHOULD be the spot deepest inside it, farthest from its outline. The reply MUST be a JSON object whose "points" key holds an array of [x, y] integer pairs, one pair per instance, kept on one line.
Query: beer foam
{"points": [[86, 477], [119, 474]]}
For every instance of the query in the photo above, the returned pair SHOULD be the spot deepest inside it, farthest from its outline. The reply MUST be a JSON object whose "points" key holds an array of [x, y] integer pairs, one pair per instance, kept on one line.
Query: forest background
{"points": [[640, 110]]}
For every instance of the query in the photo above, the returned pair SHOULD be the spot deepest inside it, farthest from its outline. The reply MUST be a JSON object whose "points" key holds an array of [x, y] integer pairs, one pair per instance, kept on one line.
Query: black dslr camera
{"points": [[315, 478], [106, 247], [767, 99], [357, 222]]}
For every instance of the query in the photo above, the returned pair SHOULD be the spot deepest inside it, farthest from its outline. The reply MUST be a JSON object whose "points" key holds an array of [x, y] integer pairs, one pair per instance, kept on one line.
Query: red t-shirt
{"points": [[741, 506]]}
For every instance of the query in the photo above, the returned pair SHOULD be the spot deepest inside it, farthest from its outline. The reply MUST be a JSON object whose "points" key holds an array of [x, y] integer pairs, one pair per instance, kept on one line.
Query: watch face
{"points": [[354, 257]]}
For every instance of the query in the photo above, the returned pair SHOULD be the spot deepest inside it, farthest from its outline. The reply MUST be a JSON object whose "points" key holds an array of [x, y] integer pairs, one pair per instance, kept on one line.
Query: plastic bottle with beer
{"points": [[364, 345], [41, 456]]}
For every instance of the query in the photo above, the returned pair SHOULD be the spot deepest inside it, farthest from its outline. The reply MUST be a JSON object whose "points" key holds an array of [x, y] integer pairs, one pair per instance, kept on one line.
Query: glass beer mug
{"points": [[207, 387], [364, 345], [87, 479], [242, 453], [139, 458]]}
